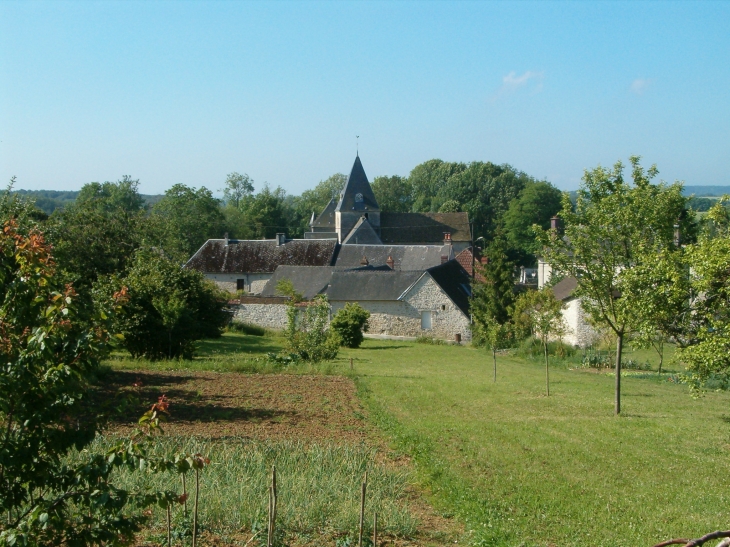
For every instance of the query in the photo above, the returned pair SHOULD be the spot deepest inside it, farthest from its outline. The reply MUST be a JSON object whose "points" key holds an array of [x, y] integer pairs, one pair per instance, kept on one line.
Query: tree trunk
{"points": [[494, 357], [619, 347], [547, 369]]}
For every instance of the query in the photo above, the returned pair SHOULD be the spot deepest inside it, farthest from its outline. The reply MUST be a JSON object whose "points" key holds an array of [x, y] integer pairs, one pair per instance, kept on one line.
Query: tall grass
{"points": [[319, 486]]}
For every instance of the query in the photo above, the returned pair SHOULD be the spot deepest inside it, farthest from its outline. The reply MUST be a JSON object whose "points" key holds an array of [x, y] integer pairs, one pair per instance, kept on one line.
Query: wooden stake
{"points": [[185, 497], [362, 508], [350, 363], [375, 530], [195, 509], [169, 525], [272, 508]]}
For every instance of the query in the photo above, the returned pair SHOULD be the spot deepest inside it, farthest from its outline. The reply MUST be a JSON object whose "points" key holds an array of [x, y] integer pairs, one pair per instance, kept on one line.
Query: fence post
{"points": [[362, 508], [272, 508]]}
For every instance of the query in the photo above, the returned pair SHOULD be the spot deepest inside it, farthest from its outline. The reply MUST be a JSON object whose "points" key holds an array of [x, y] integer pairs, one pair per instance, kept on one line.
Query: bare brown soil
{"points": [[306, 408]]}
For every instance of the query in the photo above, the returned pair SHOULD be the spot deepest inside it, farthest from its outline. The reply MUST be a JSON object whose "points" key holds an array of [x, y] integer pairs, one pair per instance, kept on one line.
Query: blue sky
{"points": [[187, 92]]}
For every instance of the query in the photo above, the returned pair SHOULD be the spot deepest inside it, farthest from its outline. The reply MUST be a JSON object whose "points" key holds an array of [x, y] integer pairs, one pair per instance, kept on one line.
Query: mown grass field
{"points": [[520, 468]]}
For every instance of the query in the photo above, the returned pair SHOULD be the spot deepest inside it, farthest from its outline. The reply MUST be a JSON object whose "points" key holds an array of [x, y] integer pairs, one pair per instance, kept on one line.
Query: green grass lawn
{"points": [[524, 469], [520, 468]]}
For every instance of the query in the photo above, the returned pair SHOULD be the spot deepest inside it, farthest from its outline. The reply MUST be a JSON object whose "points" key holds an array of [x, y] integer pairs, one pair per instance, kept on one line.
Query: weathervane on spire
{"points": [[357, 145]]}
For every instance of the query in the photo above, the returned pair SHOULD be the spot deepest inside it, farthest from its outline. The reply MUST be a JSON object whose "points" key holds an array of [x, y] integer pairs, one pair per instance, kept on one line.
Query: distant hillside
{"points": [[706, 191], [50, 200]]}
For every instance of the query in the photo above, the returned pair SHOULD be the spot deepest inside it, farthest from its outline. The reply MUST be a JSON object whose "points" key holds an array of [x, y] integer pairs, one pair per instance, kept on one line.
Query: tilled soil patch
{"points": [[310, 409], [219, 405]]}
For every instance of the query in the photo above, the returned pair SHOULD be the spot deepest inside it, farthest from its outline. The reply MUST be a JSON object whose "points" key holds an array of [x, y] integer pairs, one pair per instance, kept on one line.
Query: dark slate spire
{"points": [[357, 195]]}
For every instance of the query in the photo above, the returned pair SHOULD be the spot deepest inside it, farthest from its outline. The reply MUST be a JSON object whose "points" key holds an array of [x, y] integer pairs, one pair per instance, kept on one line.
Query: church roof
{"points": [[423, 228], [327, 218], [363, 233], [357, 195]]}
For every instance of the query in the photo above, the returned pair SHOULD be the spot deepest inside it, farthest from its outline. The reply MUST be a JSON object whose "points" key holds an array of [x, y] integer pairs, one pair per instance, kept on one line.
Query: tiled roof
{"points": [[362, 233], [260, 256], [564, 288], [405, 257], [361, 286], [307, 280], [327, 218], [423, 228]]}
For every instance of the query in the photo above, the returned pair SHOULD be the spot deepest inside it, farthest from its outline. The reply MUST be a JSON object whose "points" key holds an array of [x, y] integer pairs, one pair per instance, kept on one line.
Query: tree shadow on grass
{"points": [[384, 347], [121, 402], [236, 343]]}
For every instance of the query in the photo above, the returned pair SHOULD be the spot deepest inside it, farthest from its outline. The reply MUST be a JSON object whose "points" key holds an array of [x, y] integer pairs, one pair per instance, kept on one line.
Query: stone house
{"points": [[432, 302]]}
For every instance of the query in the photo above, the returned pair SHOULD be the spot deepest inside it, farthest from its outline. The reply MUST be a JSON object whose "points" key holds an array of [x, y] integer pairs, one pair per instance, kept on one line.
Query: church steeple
{"points": [[356, 201], [357, 194]]}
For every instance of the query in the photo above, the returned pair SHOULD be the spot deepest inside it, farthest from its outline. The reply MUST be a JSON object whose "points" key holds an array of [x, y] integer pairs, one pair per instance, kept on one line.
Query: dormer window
{"points": [[358, 198]]}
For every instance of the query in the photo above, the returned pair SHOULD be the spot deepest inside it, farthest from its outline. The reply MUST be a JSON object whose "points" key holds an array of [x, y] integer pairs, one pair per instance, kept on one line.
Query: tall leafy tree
{"points": [[184, 219], [705, 346], [614, 227], [492, 300], [236, 188], [536, 204], [394, 194], [96, 236], [266, 213]]}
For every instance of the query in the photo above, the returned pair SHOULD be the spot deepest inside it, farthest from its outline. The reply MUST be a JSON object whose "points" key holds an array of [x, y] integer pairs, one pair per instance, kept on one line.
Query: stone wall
{"points": [[580, 332], [269, 313]]}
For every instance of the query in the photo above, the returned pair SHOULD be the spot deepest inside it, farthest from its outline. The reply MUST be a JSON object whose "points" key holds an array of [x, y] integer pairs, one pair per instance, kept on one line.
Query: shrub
{"points": [[48, 358], [307, 334], [168, 309], [349, 323], [246, 328], [532, 348]]}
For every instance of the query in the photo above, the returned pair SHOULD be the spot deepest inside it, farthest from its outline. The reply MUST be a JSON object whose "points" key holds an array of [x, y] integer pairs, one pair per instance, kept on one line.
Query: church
{"points": [[356, 219]]}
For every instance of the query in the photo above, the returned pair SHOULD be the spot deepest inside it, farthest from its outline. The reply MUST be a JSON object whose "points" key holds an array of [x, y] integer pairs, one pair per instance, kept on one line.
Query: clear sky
{"points": [[187, 92]]}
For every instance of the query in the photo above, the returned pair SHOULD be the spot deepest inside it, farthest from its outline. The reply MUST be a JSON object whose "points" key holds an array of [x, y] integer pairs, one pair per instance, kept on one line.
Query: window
{"points": [[425, 320], [240, 284], [358, 198], [443, 307]]}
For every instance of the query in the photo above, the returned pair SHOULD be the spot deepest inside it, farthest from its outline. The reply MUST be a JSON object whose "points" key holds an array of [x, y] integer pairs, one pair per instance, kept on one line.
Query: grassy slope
{"points": [[524, 469]]}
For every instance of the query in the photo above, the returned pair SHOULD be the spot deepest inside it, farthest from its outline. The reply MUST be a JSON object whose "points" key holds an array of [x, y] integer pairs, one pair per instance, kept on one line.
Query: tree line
{"points": [[498, 198], [647, 270]]}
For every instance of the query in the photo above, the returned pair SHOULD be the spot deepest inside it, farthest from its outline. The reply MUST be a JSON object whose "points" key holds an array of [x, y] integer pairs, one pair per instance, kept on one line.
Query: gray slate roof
{"points": [[357, 183], [370, 284], [423, 228], [563, 289], [362, 233], [326, 220], [260, 256], [307, 280], [406, 257], [361, 286]]}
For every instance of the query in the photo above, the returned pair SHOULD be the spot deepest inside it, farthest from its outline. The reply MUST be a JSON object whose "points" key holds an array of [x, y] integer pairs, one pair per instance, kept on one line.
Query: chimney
{"points": [[444, 259], [225, 237], [280, 239], [364, 261], [390, 262], [447, 238], [677, 238], [555, 223]]}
